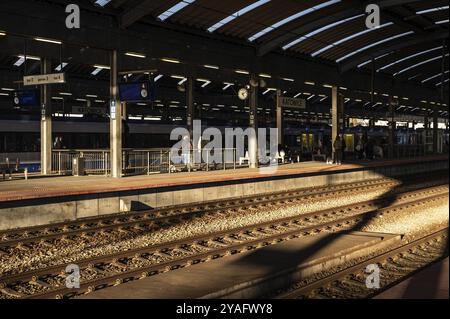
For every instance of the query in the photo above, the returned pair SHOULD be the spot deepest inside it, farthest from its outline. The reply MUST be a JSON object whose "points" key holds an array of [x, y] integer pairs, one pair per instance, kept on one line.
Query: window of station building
{"points": [[349, 142]]}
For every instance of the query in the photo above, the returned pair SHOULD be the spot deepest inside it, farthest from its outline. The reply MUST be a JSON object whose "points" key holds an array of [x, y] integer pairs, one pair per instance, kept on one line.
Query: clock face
{"points": [[16, 100], [144, 93], [243, 94]]}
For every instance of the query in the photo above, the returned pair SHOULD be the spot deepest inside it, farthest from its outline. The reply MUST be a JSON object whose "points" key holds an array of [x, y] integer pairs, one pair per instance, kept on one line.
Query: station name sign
{"points": [[43, 79], [291, 102], [88, 110]]}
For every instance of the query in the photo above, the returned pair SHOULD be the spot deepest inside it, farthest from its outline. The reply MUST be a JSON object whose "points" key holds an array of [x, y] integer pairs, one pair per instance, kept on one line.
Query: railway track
{"points": [[147, 221], [394, 266], [103, 271]]}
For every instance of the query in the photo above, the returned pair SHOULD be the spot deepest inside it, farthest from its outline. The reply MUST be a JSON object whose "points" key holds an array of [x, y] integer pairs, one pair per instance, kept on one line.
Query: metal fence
{"points": [[151, 161], [96, 162]]}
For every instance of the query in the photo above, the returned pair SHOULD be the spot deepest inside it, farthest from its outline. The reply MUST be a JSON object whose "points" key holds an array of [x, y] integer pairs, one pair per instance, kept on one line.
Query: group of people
{"points": [[368, 149]]}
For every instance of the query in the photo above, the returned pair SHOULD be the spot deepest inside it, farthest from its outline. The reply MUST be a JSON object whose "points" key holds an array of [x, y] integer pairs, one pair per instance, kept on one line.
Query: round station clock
{"points": [[243, 94], [144, 92]]}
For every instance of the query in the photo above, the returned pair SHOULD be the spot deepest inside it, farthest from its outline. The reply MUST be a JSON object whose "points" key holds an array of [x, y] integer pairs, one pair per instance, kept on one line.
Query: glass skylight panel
{"points": [[432, 10], [445, 81], [61, 66], [377, 58], [237, 14], [179, 6], [291, 18], [313, 33], [418, 64], [355, 35], [102, 2], [408, 57], [373, 45], [433, 77]]}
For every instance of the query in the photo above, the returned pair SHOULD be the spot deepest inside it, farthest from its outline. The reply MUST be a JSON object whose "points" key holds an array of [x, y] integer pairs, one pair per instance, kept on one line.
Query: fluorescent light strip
{"points": [[373, 45], [418, 64], [227, 85], [136, 55], [179, 6], [335, 44], [433, 77], [209, 66], [291, 18], [2, 33], [158, 77], [432, 10], [288, 79], [103, 67], [327, 27], [48, 40], [408, 57], [170, 60], [242, 72], [7, 89], [442, 21], [237, 14]]}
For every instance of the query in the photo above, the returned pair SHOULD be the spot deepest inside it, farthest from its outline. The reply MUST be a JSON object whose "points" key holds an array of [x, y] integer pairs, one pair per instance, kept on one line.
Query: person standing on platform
{"points": [[344, 147], [337, 145]]}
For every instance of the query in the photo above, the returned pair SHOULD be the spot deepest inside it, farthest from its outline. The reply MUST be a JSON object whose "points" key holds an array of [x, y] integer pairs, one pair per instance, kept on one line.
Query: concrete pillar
{"points": [[435, 131], [426, 125], [335, 123], [253, 121], [392, 126], [280, 126], [190, 106], [115, 130], [46, 122]]}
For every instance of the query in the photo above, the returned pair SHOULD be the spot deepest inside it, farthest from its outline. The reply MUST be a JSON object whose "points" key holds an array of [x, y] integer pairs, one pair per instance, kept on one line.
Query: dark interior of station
{"points": [[94, 95]]}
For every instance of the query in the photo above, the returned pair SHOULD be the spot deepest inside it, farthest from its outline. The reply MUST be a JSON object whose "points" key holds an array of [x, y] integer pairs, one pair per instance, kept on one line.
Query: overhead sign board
{"points": [[42, 79], [291, 102], [88, 110]]}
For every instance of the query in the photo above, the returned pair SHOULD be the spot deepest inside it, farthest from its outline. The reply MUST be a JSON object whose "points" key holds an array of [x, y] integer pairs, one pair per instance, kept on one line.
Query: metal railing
{"points": [[151, 161], [96, 162]]}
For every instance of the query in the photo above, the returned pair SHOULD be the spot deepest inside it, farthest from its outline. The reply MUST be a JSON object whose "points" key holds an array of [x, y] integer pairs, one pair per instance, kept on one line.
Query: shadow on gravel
{"points": [[271, 260]]}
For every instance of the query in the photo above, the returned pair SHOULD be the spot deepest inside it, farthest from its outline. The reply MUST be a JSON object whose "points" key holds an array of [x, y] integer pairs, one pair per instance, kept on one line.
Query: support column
{"points": [[392, 126], [280, 126], [435, 131], [253, 121], [115, 130], [426, 137], [335, 123], [46, 122], [190, 107]]}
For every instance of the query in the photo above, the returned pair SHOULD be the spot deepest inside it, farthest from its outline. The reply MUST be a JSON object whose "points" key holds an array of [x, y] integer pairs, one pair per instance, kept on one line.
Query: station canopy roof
{"points": [[407, 44], [326, 40]]}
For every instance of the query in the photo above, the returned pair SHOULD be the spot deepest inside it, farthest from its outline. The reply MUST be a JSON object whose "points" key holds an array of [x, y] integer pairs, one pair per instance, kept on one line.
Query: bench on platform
{"points": [[8, 168]]}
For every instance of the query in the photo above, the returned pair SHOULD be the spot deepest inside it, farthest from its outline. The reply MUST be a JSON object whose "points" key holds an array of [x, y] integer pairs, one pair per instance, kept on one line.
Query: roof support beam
{"points": [[314, 25], [135, 14]]}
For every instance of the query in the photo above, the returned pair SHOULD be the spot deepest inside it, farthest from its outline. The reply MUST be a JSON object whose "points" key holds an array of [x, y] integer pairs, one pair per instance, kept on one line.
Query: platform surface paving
{"points": [[222, 276], [37, 187]]}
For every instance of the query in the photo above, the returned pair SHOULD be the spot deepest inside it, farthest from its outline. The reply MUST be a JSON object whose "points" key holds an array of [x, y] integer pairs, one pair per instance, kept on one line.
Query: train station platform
{"points": [[254, 273], [430, 283], [45, 200]]}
